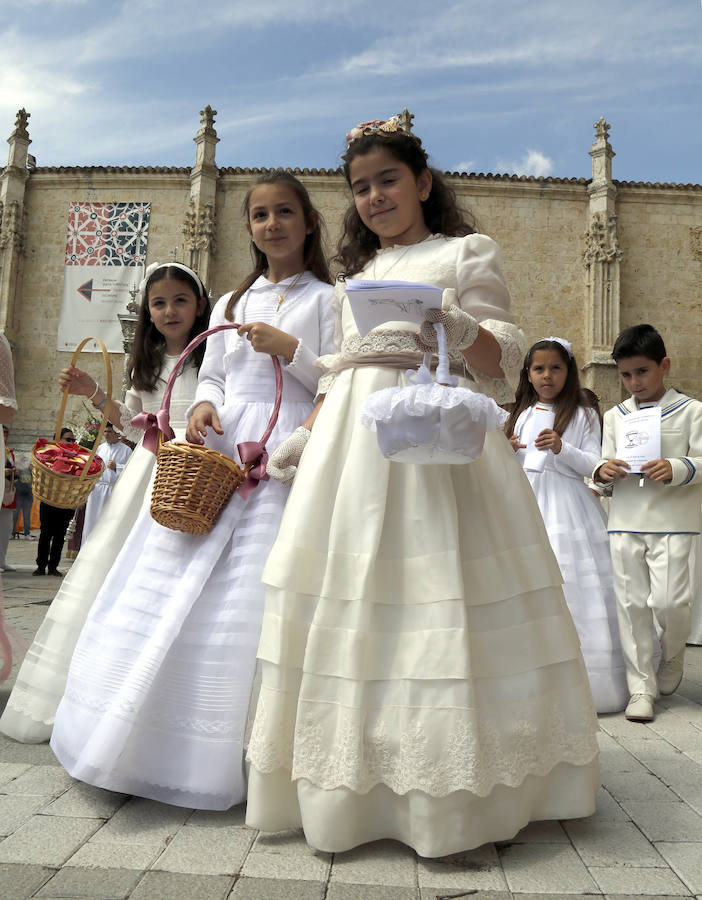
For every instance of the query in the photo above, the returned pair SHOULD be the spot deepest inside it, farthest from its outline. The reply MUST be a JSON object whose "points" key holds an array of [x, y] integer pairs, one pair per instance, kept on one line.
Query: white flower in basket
{"points": [[431, 422]]}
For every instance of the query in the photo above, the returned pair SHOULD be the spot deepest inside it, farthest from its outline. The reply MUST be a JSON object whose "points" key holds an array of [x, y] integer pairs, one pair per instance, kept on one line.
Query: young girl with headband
{"points": [[157, 696], [421, 676], [560, 456], [174, 309]]}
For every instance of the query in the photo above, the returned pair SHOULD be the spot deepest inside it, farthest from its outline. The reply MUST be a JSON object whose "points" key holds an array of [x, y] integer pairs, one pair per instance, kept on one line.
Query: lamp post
{"points": [[128, 323]]}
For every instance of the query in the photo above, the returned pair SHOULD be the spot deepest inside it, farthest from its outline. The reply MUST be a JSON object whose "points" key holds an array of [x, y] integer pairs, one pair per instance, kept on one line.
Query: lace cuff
{"points": [[513, 346], [327, 365], [124, 425]]}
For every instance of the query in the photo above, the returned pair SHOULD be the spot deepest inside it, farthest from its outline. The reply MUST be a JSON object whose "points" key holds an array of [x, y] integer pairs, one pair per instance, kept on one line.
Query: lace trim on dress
{"points": [[472, 754], [130, 710], [297, 354], [24, 701], [513, 346], [125, 418]]}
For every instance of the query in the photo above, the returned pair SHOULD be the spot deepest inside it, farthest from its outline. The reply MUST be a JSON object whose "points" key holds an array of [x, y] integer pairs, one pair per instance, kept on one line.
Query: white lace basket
{"points": [[428, 422]]}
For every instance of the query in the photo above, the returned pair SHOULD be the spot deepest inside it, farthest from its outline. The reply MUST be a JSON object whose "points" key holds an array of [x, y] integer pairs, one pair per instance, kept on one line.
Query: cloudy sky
{"points": [[495, 86]]}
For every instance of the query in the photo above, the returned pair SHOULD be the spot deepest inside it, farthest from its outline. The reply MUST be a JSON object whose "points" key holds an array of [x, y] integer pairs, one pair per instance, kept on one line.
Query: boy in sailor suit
{"points": [[652, 519]]}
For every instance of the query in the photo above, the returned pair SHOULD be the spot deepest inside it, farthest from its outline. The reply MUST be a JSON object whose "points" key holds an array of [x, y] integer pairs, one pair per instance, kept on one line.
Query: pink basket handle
{"points": [[152, 424]]}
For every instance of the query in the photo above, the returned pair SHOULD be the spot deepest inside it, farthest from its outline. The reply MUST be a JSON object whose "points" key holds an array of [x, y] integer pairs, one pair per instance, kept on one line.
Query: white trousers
{"points": [[651, 584]]}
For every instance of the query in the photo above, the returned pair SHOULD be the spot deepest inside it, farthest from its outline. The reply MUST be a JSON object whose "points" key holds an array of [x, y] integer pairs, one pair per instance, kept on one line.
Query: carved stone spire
{"points": [[21, 126], [207, 117], [601, 154], [199, 221], [12, 221], [601, 258], [405, 119]]}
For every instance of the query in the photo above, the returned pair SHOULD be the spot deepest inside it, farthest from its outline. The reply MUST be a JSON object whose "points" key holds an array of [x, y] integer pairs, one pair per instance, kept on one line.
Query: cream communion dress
{"points": [[577, 527], [421, 675], [31, 707], [158, 691]]}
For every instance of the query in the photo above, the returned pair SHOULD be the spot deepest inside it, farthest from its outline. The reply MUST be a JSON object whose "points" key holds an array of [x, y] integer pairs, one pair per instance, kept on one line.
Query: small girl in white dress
{"points": [[158, 692], [164, 328], [564, 455], [421, 678]]}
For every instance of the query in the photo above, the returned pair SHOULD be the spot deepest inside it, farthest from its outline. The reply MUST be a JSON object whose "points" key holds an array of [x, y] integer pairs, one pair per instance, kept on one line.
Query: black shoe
{"points": [[55, 572], [39, 571]]}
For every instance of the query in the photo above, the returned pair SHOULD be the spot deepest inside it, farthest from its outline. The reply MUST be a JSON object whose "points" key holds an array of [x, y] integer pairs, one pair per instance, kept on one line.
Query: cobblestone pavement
{"points": [[61, 838]]}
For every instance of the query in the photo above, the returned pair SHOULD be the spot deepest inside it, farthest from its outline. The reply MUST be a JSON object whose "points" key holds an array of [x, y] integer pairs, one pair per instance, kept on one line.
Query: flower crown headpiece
{"points": [[156, 265], [377, 126], [567, 346]]}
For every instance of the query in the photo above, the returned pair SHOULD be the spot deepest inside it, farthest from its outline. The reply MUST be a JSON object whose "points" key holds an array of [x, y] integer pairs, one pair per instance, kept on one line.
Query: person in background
{"points": [[54, 523], [115, 455], [654, 519], [9, 503], [25, 497]]}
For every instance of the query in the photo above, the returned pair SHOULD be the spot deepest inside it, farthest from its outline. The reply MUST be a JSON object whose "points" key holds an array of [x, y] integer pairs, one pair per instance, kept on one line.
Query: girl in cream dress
{"points": [[421, 676]]}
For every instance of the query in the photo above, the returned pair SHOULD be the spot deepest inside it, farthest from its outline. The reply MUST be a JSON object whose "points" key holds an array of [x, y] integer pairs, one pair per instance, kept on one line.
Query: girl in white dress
{"points": [[421, 675], [164, 328], [158, 691], [575, 521]]}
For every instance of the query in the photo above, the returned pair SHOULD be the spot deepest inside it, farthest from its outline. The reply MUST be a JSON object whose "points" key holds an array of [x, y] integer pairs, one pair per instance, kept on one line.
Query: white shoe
{"points": [[8, 568], [670, 674], [640, 708]]}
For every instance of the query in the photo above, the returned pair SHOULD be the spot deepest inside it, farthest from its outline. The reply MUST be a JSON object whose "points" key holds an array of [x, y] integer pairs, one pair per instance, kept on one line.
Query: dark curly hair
{"points": [[442, 214], [149, 345], [312, 251]]}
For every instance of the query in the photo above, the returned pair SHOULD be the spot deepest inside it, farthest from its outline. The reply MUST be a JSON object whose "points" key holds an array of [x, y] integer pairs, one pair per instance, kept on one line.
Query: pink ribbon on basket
{"points": [[252, 452], [152, 423]]}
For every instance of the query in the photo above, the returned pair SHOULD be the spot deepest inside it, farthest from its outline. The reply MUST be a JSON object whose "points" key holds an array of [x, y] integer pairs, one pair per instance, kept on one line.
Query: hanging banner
{"points": [[105, 258]]}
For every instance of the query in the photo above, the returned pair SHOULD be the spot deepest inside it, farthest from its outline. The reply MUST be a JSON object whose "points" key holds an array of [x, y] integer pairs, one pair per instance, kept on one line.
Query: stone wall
{"points": [[646, 267]]}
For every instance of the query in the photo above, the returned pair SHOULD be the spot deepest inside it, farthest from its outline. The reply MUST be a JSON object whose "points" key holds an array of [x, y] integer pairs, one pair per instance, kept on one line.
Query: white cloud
{"points": [[465, 166], [532, 163]]}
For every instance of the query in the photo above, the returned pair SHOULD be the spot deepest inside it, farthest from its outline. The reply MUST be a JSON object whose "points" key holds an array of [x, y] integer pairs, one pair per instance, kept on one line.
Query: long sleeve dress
{"points": [[577, 528], [421, 675], [31, 707], [158, 691]]}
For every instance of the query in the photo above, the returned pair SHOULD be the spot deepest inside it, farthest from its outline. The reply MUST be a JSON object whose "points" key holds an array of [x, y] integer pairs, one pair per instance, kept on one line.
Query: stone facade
{"points": [[583, 258]]}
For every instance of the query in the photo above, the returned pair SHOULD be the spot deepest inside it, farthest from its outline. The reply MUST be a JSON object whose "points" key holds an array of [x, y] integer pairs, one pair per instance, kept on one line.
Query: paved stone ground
{"points": [[60, 838]]}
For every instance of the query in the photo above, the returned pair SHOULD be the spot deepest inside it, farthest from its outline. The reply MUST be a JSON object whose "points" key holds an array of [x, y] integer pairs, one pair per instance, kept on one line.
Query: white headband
{"points": [[152, 268], [564, 343]]}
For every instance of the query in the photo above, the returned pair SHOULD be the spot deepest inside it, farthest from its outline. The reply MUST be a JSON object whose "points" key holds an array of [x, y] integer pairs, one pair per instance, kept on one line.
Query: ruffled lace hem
{"points": [[464, 752], [428, 423], [23, 702], [422, 399]]}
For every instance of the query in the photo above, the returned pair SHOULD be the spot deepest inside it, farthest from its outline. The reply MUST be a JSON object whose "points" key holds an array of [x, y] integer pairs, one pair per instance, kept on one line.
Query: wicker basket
{"points": [[193, 484], [58, 488]]}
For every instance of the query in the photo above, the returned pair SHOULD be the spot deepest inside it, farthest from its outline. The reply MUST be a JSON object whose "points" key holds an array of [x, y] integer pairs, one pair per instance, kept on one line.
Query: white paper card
{"points": [[640, 438], [535, 459], [375, 302]]}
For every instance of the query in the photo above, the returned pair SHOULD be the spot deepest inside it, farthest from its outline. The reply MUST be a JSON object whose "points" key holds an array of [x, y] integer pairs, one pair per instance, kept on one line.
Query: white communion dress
{"points": [[158, 692], [577, 527], [31, 707], [421, 677]]}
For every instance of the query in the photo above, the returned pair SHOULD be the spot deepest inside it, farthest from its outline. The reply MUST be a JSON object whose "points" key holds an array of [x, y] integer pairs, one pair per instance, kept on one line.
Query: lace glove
{"points": [[461, 328], [283, 463]]}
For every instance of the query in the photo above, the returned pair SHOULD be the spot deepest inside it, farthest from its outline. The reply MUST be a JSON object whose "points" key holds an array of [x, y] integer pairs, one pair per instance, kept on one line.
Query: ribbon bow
{"points": [[252, 452], [152, 423]]}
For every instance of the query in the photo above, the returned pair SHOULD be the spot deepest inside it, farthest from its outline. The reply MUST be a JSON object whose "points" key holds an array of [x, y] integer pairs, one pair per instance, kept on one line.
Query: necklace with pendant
{"points": [[399, 259], [288, 289]]}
